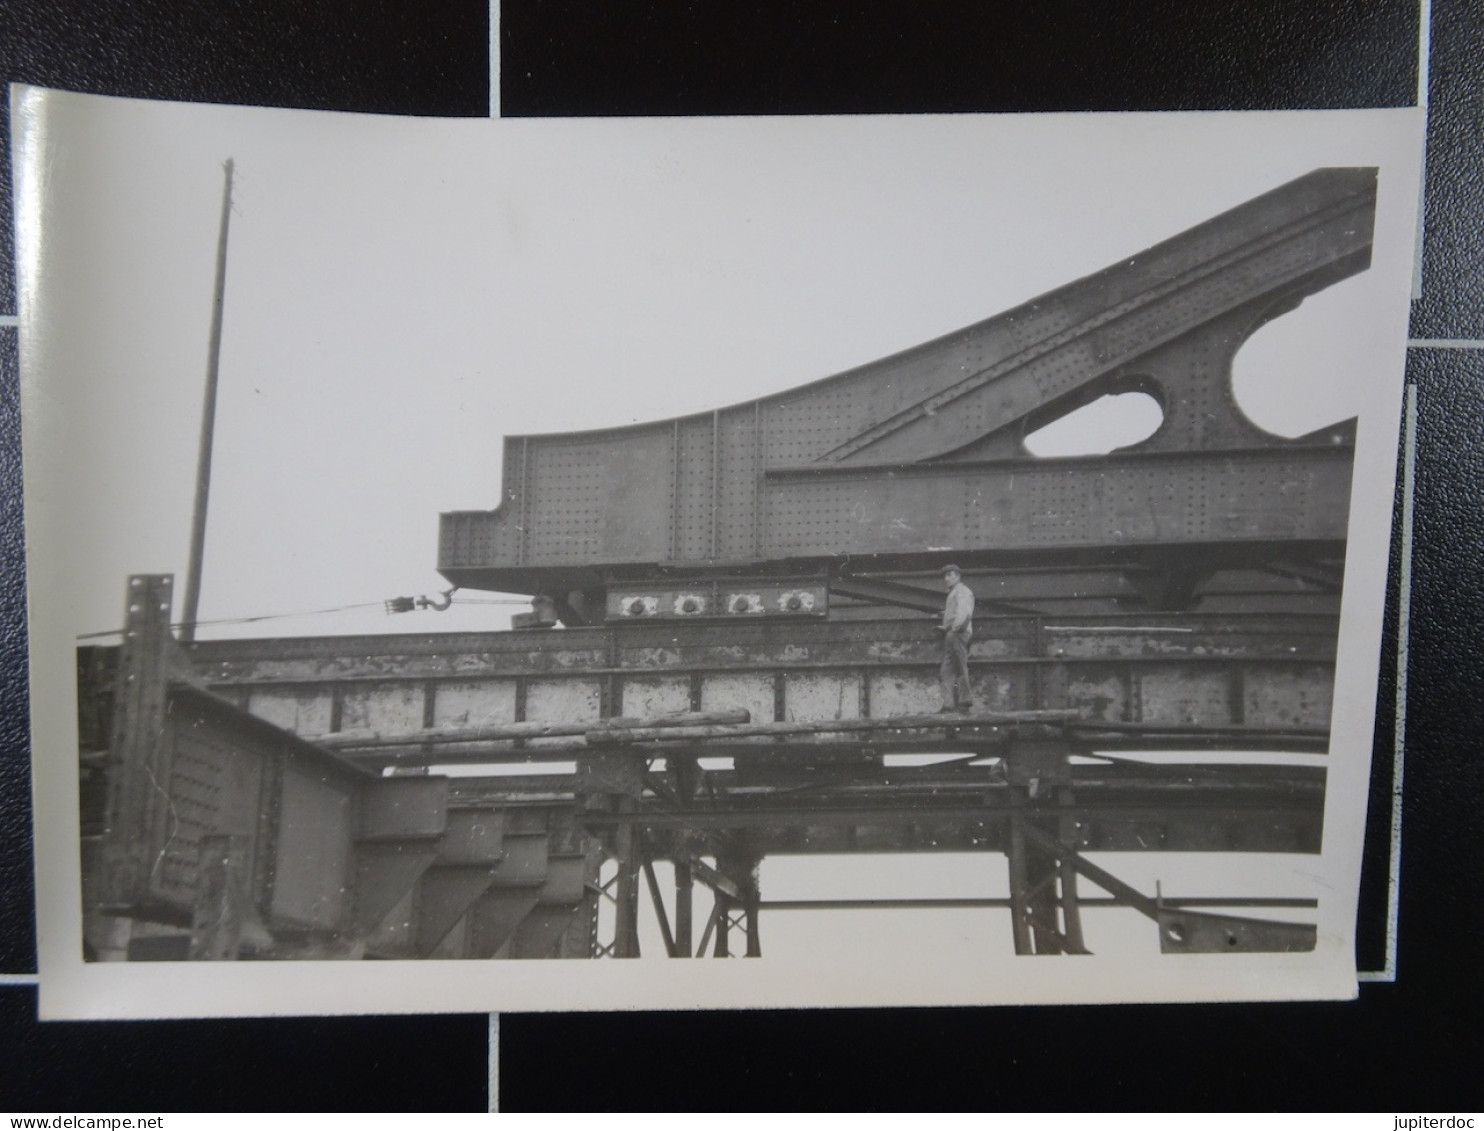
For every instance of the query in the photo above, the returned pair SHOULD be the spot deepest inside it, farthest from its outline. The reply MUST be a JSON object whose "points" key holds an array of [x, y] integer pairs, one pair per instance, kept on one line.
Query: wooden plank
{"points": [[901, 722], [366, 739]]}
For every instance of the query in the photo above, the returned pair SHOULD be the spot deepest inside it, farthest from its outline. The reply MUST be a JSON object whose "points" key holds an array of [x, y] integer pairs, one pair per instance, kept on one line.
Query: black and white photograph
{"points": [[928, 561]]}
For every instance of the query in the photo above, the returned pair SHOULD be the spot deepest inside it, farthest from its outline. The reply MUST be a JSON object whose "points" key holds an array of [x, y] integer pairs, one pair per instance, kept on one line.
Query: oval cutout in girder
{"points": [[1301, 371], [1113, 421]]}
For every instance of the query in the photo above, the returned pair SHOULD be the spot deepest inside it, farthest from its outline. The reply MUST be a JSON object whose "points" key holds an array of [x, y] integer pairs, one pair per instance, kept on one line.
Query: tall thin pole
{"points": [[208, 421]]}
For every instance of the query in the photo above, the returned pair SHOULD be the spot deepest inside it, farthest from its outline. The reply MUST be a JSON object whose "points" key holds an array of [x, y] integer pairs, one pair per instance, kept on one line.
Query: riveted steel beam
{"points": [[927, 442]]}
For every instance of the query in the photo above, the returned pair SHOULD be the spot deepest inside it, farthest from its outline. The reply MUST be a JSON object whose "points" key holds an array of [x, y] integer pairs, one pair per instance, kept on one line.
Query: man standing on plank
{"points": [[957, 627]]}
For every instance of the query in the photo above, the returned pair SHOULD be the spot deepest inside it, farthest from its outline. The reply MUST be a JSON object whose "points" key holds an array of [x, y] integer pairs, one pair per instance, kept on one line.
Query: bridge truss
{"points": [[744, 670], [274, 798]]}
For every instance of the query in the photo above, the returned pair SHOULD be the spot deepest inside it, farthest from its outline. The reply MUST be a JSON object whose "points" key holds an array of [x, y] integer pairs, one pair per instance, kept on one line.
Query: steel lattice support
{"points": [[1045, 914], [342, 861], [613, 784], [738, 911], [1182, 930]]}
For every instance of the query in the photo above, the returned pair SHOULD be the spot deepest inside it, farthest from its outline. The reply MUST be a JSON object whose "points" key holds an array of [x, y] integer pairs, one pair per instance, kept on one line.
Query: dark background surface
{"points": [[1414, 1044]]}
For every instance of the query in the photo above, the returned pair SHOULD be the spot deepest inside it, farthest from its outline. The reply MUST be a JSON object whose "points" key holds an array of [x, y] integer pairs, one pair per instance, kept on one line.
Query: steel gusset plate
{"points": [[1202, 932]]}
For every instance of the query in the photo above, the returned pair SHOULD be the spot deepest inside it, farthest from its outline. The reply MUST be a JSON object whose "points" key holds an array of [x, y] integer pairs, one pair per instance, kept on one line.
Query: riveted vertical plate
{"points": [[312, 873], [395, 707], [571, 700], [303, 710], [474, 703]]}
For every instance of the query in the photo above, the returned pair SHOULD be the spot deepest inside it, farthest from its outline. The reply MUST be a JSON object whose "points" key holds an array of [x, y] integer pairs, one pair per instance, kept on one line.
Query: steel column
{"points": [[626, 852], [138, 758], [613, 783], [684, 893], [740, 867], [659, 908], [1019, 887], [1071, 910], [1045, 915]]}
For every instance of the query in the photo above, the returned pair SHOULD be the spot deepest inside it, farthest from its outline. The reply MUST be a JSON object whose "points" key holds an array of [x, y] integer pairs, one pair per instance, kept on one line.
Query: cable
{"points": [[310, 613]]}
